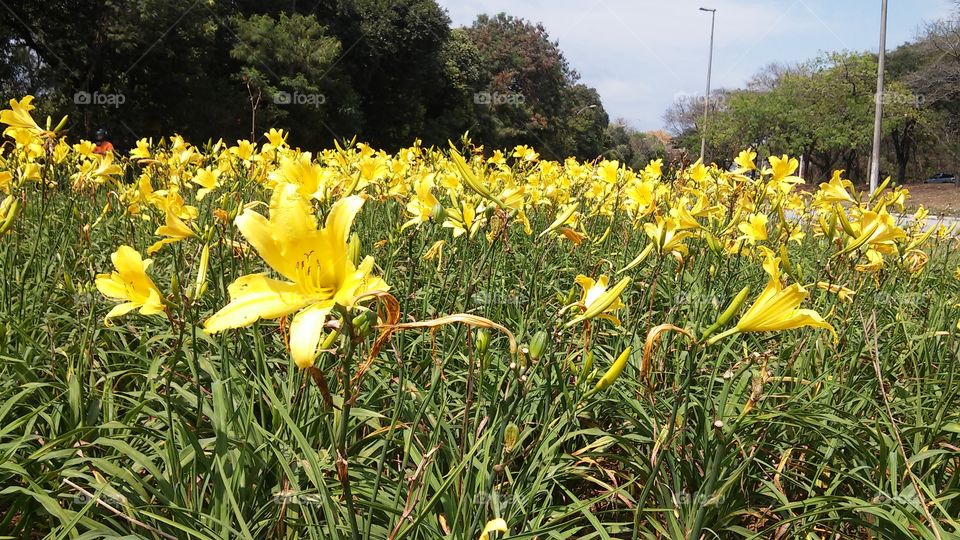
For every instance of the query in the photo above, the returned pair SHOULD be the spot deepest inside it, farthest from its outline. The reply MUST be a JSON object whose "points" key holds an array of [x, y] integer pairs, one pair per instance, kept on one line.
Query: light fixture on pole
{"points": [[878, 111], [706, 97]]}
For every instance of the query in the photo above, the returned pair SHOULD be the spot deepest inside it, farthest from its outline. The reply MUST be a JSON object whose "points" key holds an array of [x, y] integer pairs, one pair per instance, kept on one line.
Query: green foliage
{"points": [[289, 65], [387, 71], [144, 429], [823, 109], [530, 92], [630, 147]]}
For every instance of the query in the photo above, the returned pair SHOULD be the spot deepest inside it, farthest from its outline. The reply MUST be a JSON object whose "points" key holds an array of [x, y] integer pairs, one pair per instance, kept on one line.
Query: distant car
{"points": [[941, 178]]}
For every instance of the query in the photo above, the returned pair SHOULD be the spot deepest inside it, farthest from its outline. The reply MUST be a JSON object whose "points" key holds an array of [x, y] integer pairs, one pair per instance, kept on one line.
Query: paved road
{"points": [[933, 221]]}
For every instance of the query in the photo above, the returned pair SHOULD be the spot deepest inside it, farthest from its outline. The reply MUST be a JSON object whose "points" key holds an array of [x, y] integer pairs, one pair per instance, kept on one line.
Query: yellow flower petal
{"points": [[498, 525], [256, 297], [306, 331]]}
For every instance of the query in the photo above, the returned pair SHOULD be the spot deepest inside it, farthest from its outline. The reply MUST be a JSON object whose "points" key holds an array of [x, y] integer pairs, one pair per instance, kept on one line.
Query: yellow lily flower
{"points": [[494, 525], [17, 117], [174, 230], [845, 294], [745, 162], [915, 261], [607, 171], [465, 219], [9, 210], [641, 197], [877, 230], [782, 169], [142, 151], [874, 262], [525, 153], [667, 237], [565, 217], [754, 229], [597, 300], [276, 137], [422, 206], [777, 308], [301, 171], [316, 262], [95, 171], [653, 170], [208, 180], [435, 252], [683, 217], [835, 190], [130, 283]]}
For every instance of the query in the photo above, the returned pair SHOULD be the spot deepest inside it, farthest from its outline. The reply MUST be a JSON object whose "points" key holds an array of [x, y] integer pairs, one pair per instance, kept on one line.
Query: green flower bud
{"points": [[538, 345], [437, 213], [483, 342], [510, 436], [363, 323]]}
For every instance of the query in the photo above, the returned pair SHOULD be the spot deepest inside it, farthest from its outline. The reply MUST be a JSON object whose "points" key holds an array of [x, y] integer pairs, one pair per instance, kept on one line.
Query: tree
{"points": [[289, 67], [631, 147], [529, 93], [158, 67], [392, 55], [386, 71]]}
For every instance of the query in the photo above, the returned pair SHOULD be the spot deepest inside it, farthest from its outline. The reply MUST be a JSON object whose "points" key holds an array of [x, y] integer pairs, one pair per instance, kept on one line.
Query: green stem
{"points": [[722, 335], [655, 470], [344, 473]]}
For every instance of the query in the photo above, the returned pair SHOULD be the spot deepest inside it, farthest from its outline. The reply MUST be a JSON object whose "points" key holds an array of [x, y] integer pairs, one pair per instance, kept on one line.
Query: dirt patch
{"points": [[937, 198]]}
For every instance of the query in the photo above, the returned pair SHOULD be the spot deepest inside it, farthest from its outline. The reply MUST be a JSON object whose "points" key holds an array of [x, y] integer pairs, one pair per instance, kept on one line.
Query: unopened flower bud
{"points": [[538, 345]]}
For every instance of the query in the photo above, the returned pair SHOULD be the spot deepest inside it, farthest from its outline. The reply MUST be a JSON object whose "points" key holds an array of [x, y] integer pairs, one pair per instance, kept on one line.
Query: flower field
{"points": [[246, 340]]}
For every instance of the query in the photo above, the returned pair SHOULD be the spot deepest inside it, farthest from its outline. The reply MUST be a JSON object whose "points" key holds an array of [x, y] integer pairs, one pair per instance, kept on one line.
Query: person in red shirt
{"points": [[103, 143]]}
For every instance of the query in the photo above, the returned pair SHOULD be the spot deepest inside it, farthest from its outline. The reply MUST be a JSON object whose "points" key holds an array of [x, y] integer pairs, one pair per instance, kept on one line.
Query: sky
{"points": [[641, 54]]}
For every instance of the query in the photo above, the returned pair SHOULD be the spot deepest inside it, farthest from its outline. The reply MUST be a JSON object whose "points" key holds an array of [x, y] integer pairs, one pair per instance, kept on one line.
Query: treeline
{"points": [[386, 71], [824, 110]]}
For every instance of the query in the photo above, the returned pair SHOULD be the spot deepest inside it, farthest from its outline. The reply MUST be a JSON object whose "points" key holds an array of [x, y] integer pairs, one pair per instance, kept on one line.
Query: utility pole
{"points": [[706, 97], [878, 111]]}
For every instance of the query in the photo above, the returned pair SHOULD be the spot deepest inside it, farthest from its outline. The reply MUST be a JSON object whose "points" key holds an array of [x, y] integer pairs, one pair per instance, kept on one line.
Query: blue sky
{"points": [[640, 54]]}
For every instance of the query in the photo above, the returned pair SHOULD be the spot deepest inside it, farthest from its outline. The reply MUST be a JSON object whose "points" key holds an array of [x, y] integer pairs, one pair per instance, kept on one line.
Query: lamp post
{"points": [[594, 106], [878, 111], [706, 100]]}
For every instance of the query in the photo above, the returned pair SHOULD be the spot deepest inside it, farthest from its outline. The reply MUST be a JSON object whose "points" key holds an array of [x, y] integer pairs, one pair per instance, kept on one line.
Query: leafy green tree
{"points": [[583, 122], [392, 53], [387, 71], [288, 65], [529, 95], [453, 110], [153, 68], [631, 147]]}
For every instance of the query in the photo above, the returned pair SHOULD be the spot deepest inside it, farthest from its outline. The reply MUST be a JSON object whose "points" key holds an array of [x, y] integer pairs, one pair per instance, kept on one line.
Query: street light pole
{"points": [[878, 111], [706, 100]]}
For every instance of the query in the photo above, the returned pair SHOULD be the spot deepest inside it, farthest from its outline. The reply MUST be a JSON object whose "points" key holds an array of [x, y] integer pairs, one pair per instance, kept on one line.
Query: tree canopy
{"points": [[386, 71]]}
